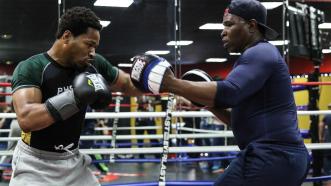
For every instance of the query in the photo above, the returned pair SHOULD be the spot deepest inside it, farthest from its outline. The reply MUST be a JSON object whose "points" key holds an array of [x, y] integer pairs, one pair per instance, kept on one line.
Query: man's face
{"points": [[235, 33], [81, 49]]}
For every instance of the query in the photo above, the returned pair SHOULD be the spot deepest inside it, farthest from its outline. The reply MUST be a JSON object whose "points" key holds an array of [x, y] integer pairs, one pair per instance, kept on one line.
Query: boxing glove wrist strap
{"points": [[62, 106]]}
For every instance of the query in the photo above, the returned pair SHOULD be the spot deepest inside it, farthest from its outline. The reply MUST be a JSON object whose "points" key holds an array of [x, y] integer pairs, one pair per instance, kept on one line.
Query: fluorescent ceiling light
{"points": [[326, 51], [180, 43], [271, 5], [235, 54], [216, 60], [124, 65], [104, 23], [279, 42], [9, 62], [158, 52], [6, 36], [324, 26], [113, 3], [212, 26]]}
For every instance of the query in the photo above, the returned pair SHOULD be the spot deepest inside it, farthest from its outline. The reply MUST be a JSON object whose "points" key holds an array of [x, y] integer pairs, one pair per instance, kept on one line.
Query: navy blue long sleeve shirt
{"points": [[259, 91]]}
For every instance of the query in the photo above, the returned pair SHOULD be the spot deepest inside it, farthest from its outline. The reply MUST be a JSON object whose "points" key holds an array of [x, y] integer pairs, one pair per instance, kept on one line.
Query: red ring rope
{"points": [[293, 83], [5, 84], [311, 83]]}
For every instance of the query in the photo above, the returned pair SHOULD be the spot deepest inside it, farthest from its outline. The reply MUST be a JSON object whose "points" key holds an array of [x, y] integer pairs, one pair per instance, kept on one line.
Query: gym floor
{"points": [[175, 172], [121, 173]]}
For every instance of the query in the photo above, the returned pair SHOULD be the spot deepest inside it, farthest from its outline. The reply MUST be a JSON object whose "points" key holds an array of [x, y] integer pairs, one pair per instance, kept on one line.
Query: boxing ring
{"points": [[172, 150]]}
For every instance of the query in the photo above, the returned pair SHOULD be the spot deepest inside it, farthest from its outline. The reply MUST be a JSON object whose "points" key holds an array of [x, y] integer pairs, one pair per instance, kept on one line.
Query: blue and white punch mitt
{"points": [[147, 72]]}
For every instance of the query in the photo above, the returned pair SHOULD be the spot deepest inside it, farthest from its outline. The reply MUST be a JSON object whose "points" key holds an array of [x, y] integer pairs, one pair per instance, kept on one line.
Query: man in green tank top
{"points": [[51, 92]]}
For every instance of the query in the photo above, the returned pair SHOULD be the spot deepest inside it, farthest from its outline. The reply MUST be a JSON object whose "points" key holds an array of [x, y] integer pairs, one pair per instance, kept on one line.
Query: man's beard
{"points": [[80, 67]]}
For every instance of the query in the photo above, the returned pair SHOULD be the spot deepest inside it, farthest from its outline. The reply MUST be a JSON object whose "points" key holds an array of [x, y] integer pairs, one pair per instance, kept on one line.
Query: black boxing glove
{"points": [[147, 72], [92, 89], [87, 89], [196, 75]]}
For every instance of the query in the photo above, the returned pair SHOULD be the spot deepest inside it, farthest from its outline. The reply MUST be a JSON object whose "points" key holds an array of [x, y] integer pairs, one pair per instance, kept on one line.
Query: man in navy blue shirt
{"points": [[263, 116], [325, 136], [258, 89]]}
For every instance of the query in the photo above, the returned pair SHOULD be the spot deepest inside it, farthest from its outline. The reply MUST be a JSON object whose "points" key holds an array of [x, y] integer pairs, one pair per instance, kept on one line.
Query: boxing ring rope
{"points": [[5, 94], [200, 183], [209, 133], [175, 150], [128, 128], [192, 114], [4, 130], [5, 84], [312, 83], [293, 83], [157, 160], [180, 125], [153, 150], [216, 134], [128, 137]]}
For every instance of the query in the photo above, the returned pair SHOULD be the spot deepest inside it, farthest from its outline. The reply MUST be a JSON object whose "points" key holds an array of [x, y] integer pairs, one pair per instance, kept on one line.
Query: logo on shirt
{"points": [[62, 89]]}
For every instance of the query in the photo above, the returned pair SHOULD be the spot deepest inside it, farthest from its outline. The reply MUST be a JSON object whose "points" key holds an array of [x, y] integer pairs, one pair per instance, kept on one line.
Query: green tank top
{"points": [[42, 72]]}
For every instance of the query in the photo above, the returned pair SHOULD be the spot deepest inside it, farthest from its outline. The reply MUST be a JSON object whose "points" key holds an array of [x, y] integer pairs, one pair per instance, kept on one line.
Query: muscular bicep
{"points": [[25, 96], [31, 112]]}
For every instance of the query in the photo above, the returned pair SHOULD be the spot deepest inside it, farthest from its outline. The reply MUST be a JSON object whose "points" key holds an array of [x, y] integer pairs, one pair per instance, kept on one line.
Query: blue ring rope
{"points": [[202, 183], [169, 160]]}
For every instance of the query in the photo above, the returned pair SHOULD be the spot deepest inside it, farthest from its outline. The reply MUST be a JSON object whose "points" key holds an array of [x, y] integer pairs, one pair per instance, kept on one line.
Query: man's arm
{"points": [[31, 114], [125, 85], [200, 92]]}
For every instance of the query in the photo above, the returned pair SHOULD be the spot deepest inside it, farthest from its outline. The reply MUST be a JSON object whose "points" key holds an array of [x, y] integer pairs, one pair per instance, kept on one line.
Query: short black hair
{"points": [[77, 20]]}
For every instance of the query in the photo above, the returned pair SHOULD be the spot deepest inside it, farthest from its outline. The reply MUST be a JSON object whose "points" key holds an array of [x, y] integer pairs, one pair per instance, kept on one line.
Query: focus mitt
{"points": [[196, 75], [147, 72]]}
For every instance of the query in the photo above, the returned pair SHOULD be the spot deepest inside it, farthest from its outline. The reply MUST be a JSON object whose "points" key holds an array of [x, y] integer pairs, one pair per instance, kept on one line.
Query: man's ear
{"points": [[66, 36], [253, 26]]}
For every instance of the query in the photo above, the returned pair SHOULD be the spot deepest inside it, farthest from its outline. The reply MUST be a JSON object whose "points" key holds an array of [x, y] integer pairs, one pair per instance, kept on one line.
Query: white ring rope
{"points": [[137, 128], [127, 137], [226, 133], [158, 127], [192, 114], [196, 149], [128, 128]]}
